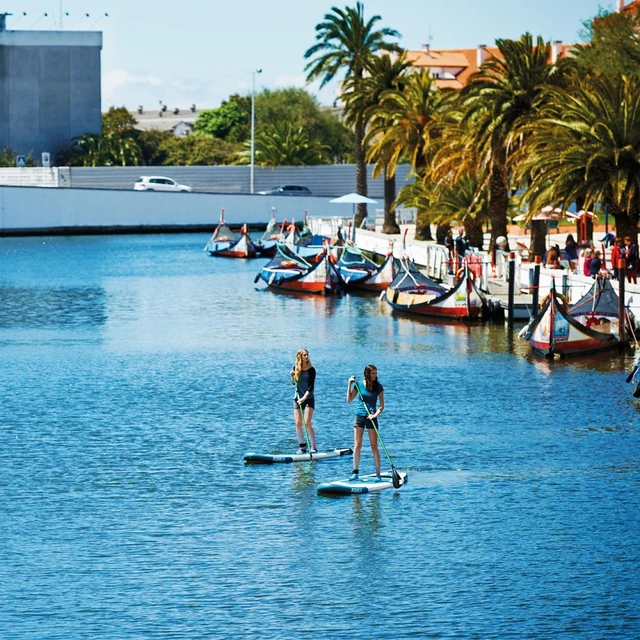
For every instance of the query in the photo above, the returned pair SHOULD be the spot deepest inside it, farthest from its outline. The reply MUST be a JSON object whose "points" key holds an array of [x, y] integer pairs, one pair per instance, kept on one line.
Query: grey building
{"points": [[49, 88]]}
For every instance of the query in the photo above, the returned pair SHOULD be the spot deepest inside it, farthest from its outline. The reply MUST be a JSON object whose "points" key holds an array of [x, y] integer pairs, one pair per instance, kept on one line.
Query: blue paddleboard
{"points": [[267, 458], [364, 484]]}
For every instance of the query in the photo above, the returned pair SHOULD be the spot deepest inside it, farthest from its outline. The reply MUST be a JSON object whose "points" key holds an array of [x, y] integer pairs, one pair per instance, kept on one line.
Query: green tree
{"points": [[404, 128], [118, 120], [196, 150], [586, 145], [230, 121], [361, 98], [9, 158], [499, 96], [344, 42], [282, 144]]}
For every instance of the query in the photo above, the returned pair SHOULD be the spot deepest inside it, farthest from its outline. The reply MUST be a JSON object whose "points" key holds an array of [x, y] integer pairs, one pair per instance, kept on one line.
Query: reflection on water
{"points": [[40, 307]]}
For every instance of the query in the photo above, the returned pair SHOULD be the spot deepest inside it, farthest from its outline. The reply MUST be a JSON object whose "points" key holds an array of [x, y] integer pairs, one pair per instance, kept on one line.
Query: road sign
{"points": [[46, 159], [21, 161]]}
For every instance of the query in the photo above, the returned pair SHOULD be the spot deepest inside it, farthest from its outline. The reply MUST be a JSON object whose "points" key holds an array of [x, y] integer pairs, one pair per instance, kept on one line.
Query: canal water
{"points": [[136, 372]]}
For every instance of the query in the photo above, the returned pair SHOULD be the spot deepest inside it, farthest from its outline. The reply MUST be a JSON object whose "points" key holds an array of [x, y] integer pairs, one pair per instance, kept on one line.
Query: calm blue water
{"points": [[136, 372]]}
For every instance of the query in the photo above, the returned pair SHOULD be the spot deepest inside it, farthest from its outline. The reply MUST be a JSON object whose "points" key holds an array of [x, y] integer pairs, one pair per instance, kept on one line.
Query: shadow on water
{"points": [[52, 307]]}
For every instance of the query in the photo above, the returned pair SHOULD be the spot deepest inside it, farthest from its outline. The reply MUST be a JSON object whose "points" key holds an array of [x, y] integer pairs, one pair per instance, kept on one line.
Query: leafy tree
{"points": [[153, 146], [284, 144], [362, 97], [499, 96], [196, 150], [404, 127], [9, 158], [613, 44], [587, 146], [344, 42], [118, 120], [230, 121]]}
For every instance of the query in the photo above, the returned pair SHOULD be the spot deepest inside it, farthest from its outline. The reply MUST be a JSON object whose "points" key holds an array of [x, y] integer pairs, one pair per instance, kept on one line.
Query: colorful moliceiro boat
{"points": [[356, 272], [288, 271], [589, 326], [413, 292], [229, 244]]}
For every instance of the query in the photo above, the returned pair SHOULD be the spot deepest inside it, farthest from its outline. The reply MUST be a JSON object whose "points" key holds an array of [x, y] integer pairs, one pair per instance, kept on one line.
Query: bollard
{"points": [[622, 320], [512, 287], [536, 286]]}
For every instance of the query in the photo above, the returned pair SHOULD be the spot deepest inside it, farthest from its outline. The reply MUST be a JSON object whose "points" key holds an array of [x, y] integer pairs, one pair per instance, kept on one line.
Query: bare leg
{"points": [[297, 416], [373, 439], [358, 432], [308, 417]]}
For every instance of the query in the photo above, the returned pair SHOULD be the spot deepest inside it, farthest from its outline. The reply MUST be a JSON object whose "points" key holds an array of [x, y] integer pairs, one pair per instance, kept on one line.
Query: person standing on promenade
{"points": [[366, 413], [595, 265], [630, 253], [303, 377], [571, 251], [586, 265], [616, 254], [450, 244]]}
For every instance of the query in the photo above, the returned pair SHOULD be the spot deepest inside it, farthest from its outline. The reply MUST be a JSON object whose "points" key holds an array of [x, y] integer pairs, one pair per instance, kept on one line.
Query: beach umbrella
{"points": [[354, 199]]}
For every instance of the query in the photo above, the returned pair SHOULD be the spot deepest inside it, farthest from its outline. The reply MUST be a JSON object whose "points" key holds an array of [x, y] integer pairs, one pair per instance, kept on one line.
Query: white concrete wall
{"points": [[35, 209], [32, 176]]}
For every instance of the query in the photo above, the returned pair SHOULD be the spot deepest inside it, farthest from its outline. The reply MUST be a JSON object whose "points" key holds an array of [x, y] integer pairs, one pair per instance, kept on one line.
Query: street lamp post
{"points": [[253, 122]]}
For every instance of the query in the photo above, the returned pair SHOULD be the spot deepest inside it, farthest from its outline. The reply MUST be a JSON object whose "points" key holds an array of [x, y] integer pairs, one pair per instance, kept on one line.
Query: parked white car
{"points": [[159, 183]]}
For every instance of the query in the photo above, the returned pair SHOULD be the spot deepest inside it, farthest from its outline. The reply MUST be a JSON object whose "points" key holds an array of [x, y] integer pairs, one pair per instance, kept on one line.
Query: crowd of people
{"points": [[585, 259]]}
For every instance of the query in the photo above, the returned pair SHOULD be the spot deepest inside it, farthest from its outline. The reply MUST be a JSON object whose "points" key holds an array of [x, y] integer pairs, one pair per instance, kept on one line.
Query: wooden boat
{"points": [[356, 272], [266, 243], [413, 292], [229, 244], [588, 326], [289, 271]]}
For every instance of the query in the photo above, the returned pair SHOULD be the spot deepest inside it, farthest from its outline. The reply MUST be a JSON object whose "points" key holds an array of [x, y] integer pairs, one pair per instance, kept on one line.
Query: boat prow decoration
{"points": [[589, 326], [229, 244], [413, 292], [356, 272], [289, 271]]}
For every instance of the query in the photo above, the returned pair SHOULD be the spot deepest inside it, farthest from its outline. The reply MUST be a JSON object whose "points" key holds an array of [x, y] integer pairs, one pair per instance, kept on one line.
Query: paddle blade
{"points": [[633, 373], [256, 278], [396, 479]]}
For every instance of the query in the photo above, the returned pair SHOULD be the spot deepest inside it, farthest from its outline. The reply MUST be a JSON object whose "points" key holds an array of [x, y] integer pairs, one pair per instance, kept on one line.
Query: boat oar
{"points": [[304, 422], [395, 476], [633, 373]]}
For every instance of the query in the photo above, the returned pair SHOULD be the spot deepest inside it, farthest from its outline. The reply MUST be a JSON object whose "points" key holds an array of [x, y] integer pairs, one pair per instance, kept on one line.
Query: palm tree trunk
{"points": [[474, 234], [361, 172], [390, 223], [498, 203], [423, 226], [538, 243]]}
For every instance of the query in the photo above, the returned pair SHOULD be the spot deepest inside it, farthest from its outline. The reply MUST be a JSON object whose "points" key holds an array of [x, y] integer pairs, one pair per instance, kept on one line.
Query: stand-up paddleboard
{"points": [[364, 484], [266, 458]]}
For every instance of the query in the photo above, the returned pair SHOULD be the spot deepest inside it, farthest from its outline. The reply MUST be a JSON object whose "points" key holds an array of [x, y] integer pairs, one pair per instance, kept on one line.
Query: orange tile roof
{"points": [[464, 61], [634, 6]]}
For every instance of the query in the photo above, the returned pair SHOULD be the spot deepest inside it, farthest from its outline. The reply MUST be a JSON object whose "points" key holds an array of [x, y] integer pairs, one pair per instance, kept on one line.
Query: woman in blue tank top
{"points": [[303, 377], [366, 413]]}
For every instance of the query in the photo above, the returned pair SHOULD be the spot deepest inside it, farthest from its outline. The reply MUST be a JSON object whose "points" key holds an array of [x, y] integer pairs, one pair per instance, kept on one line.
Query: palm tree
{"points": [[501, 93], [464, 201], [284, 144], [344, 42], [361, 97], [405, 126], [586, 144]]}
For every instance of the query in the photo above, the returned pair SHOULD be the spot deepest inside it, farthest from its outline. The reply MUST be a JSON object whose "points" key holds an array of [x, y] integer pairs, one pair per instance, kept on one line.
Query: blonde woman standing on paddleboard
{"points": [[370, 390], [303, 377]]}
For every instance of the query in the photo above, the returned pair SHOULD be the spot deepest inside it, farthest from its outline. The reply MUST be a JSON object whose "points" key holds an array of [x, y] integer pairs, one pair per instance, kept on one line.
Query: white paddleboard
{"points": [[364, 484], [267, 458]]}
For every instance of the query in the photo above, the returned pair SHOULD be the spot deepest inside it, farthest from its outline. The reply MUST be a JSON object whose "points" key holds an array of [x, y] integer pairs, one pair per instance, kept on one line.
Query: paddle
{"points": [[395, 476], [633, 373], [304, 423]]}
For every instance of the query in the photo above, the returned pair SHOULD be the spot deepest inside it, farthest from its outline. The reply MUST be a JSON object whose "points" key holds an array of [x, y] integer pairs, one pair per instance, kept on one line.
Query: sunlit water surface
{"points": [[136, 372]]}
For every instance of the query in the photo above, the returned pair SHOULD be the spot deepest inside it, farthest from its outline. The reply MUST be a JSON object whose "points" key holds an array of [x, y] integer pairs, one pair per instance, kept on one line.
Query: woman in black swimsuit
{"points": [[303, 376]]}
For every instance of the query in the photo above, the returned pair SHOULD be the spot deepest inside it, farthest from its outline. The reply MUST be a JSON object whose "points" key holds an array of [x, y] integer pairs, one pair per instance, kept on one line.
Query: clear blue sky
{"points": [[201, 51]]}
